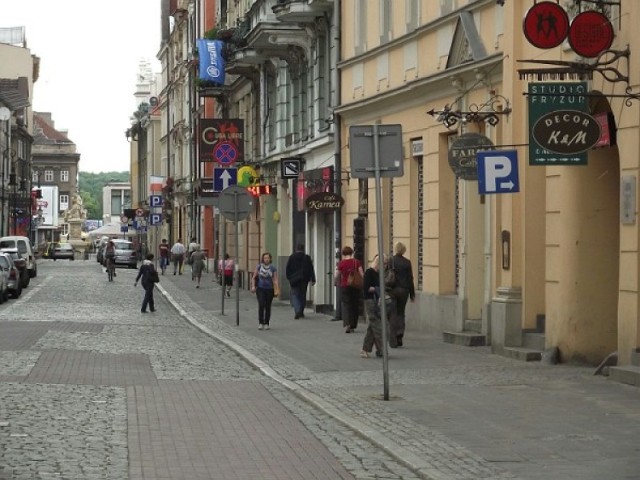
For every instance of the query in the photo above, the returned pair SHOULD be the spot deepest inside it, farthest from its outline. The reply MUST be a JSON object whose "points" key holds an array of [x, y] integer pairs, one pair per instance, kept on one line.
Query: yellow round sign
{"points": [[247, 176]]}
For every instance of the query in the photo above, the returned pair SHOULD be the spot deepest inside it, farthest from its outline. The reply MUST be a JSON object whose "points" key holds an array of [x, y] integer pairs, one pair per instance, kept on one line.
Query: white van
{"points": [[23, 244]]}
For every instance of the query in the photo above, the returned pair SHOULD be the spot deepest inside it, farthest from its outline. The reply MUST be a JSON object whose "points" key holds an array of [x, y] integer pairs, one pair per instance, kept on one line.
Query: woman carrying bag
{"points": [[349, 277]]}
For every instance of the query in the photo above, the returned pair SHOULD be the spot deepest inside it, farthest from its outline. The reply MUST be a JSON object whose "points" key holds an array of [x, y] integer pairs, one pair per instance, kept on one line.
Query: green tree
{"points": [[91, 185]]}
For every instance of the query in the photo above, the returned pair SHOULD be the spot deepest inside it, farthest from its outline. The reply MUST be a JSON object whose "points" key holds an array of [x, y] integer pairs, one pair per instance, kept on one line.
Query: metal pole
{"points": [[383, 306], [235, 202], [222, 255]]}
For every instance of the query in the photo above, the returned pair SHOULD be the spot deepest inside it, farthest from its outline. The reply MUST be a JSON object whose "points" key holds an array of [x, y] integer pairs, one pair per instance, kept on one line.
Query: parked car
{"points": [[125, 254], [4, 281], [21, 264], [62, 251], [14, 287], [23, 244]]}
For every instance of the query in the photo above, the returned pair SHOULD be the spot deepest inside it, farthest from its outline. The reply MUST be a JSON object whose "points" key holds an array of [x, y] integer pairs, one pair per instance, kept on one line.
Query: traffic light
{"points": [[39, 193], [358, 239]]}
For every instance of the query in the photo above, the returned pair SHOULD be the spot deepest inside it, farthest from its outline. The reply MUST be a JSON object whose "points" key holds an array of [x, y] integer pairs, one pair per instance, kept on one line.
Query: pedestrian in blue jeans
{"points": [[300, 273]]}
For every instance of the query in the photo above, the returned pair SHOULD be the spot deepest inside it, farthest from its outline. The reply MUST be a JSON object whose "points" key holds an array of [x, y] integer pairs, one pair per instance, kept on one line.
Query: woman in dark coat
{"points": [[147, 272], [403, 291]]}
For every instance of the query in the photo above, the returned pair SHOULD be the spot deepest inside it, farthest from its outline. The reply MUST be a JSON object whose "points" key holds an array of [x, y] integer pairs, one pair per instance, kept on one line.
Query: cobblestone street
{"points": [[93, 389]]}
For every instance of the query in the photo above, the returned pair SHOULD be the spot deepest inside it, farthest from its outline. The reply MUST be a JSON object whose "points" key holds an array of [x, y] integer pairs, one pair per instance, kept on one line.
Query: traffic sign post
{"points": [[235, 204], [224, 178], [380, 143], [498, 172]]}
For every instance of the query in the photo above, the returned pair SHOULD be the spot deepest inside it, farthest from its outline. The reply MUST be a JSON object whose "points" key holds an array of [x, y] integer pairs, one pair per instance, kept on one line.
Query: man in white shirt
{"points": [[177, 256]]}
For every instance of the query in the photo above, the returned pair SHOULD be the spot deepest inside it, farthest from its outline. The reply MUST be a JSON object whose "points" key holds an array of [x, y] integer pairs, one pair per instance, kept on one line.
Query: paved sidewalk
{"points": [[454, 412]]}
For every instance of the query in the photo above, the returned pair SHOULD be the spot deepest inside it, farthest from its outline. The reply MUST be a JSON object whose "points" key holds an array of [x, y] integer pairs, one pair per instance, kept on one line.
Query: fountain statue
{"points": [[75, 216]]}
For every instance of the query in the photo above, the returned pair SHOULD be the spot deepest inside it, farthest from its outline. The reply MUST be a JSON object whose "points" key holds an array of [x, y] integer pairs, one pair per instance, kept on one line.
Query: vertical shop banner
{"points": [[221, 140], [547, 97], [211, 61]]}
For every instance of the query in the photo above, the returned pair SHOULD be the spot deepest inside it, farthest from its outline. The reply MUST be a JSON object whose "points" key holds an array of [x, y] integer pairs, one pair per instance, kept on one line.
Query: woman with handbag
{"points": [[197, 259], [149, 276], [349, 276], [265, 285]]}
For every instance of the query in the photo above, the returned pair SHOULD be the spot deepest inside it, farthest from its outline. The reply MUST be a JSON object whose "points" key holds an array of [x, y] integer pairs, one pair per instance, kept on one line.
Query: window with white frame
{"points": [[360, 27], [64, 175], [448, 6], [48, 175], [412, 14], [64, 202], [386, 22]]}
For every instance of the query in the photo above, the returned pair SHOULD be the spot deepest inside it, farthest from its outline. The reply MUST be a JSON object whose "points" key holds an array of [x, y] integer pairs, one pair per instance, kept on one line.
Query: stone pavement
{"points": [[454, 412], [92, 389]]}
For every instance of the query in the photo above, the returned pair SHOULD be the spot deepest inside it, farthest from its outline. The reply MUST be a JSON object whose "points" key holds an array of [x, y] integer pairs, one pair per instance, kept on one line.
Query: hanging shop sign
{"points": [[546, 25], [546, 98], [566, 132], [221, 141], [590, 34], [324, 202], [463, 152]]}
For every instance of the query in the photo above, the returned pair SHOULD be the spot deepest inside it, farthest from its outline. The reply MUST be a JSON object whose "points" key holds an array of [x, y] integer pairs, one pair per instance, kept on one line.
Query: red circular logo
{"points": [[546, 25], [590, 34]]}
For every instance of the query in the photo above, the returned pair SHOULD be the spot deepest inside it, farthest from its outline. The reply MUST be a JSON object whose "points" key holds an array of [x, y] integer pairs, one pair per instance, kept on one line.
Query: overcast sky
{"points": [[89, 55]]}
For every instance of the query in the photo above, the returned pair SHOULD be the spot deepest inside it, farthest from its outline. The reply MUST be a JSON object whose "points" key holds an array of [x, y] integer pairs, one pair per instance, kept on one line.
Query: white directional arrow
{"points": [[508, 185], [226, 179]]}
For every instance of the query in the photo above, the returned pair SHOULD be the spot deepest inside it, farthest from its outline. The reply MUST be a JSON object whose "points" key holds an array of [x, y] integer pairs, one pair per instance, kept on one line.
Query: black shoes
{"points": [[296, 316]]}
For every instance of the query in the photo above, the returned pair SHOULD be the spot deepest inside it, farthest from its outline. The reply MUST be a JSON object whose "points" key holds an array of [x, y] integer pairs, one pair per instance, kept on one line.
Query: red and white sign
{"points": [[590, 34]]}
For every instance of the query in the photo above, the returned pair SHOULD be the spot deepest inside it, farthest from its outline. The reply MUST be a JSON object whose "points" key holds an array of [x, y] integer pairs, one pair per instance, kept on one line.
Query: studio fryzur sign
{"points": [[324, 202], [463, 152], [566, 132], [545, 100]]}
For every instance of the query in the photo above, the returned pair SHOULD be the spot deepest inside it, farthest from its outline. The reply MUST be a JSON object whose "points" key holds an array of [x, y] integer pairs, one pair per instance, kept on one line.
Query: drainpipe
{"points": [[337, 216]]}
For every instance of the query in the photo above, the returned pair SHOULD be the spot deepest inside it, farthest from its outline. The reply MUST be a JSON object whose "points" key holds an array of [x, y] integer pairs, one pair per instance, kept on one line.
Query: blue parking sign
{"points": [[155, 201], [498, 172], [155, 219]]}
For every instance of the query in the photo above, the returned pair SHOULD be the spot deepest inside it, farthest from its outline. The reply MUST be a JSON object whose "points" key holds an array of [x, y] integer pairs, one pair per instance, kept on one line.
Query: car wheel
{"points": [[17, 292], [33, 273], [3, 294]]}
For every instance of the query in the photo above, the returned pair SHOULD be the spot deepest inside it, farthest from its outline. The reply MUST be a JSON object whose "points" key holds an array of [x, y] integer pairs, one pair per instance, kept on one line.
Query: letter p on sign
{"points": [[498, 172]]}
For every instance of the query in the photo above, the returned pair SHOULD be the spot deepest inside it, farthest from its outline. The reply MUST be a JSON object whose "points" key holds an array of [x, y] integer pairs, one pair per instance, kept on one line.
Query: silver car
{"points": [[4, 279], [125, 253], [14, 285]]}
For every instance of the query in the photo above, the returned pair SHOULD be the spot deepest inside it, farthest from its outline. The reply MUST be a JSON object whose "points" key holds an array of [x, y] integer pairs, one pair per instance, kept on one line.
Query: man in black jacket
{"points": [[299, 273]]}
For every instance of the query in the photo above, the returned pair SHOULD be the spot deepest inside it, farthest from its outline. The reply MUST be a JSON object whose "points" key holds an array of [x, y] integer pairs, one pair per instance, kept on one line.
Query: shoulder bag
{"points": [[390, 276], [354, 279]]}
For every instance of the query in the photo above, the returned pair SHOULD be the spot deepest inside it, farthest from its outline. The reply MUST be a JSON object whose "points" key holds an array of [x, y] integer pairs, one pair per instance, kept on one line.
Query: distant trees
{"points": [[91, 185]]}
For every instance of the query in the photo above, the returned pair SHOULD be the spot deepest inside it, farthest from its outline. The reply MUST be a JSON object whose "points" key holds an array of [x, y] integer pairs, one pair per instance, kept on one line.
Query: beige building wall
{"points": [[573, 264]]}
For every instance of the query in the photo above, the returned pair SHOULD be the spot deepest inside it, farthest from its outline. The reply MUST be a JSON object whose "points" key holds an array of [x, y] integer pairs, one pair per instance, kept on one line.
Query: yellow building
{"points": [[557, 260]]}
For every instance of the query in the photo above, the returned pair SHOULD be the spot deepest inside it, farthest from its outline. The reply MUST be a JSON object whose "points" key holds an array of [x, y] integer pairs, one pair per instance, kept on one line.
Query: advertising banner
{"points": [[211, 61]]}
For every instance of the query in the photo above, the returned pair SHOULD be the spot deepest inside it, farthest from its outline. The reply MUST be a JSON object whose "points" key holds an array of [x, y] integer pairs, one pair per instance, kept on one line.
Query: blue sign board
{"points": [[223, 178], [211, 60], [498, 172], [124, 228], [155, 219], [155, 201]]}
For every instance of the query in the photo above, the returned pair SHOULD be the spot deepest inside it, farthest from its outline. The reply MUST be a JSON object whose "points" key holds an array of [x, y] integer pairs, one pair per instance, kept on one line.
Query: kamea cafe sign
{"points": [[324, 202]]}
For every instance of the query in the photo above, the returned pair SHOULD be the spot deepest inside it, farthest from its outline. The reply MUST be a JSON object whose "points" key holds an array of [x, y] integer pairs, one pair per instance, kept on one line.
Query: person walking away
{"points": [[146, 272], [264, 284], [371, 288], [110, 256], [177, 256], [299, 272], [190, 249], [403, 290], [350, 295], [227, 266], [197, 264], [164, 251]]}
